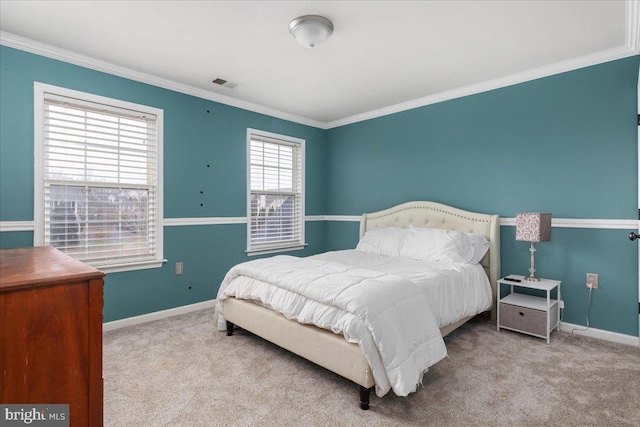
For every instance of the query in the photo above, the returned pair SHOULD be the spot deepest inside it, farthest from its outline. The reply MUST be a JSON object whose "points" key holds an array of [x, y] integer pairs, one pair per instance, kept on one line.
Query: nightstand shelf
{"points": [[528, 314]]}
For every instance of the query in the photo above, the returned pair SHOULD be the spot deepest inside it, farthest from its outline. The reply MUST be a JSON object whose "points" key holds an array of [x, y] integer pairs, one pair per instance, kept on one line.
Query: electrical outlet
{"points": [[561, 303], [179, 268], [593, 279]]}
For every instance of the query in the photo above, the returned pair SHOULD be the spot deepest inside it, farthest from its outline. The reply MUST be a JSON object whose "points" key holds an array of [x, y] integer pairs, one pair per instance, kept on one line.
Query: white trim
{"points": [[630, 48], [39, 92], [131, 266], [350, 218], [16, 226], [38, 163], [49, 51], [601, 334], [633, 25], [298, 146], [163, 314], [157, 315], [534, 74], [276, 250], [222, 220], [174, 222], [609, 224], [638, 177]]}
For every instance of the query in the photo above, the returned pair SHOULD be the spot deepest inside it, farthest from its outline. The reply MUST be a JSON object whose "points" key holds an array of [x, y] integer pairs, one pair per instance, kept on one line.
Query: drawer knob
{"points": [[521, 313]]}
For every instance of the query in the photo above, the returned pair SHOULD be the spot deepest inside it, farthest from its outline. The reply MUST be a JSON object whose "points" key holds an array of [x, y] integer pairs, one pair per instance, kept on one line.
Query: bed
{"points": [[331, 350]]}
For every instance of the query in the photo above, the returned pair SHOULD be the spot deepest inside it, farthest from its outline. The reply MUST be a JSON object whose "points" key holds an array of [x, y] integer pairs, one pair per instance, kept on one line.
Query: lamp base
{"points": [[532, 270]]}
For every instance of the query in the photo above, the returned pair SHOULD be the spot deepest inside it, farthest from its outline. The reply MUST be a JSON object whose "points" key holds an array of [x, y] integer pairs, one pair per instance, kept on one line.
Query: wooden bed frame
{"points": [[332, 351]]}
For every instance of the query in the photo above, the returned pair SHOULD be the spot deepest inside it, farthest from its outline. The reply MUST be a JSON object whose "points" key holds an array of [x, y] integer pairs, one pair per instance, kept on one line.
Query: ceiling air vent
{"points": [[226, 83]]}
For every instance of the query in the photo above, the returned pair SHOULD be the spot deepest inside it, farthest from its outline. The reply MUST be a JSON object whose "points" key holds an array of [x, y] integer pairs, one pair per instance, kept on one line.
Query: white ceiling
{"points": [[382, 53]]}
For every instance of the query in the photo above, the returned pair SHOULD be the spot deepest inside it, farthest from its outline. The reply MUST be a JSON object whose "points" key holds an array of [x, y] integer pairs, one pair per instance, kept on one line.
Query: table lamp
{"points": [[533, 227]]}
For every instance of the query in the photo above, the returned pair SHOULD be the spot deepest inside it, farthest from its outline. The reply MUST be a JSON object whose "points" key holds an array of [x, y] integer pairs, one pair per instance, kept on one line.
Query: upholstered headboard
{"points": [[437, 215]]}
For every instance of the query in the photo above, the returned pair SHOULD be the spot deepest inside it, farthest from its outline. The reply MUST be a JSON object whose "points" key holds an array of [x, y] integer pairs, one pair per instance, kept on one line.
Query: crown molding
{"points": [[513, 79], [42, 49], [633, 25], [630, 48]]}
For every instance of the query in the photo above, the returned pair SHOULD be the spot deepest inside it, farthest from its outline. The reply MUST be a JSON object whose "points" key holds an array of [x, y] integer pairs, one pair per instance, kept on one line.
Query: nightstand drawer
{"points": [[523, 319], [530, 314]]}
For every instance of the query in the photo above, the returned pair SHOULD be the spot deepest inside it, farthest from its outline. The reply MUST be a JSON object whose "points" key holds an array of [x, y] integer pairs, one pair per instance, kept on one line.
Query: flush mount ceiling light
{"points": [[311, 30]]}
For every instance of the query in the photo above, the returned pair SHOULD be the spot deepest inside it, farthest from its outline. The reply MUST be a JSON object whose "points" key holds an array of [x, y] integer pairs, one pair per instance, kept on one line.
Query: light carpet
{"points": [[180, 371]]}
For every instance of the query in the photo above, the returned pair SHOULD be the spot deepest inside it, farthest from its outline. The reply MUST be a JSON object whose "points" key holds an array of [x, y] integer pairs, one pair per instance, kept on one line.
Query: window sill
{"points": [[266, 251], [131, 266]]}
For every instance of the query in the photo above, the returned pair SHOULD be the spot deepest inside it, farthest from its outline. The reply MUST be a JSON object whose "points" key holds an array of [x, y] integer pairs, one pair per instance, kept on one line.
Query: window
{"points": [[275, 193], [98, 179]]}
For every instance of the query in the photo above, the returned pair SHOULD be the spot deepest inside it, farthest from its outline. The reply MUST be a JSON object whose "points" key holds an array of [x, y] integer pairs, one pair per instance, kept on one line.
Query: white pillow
{"points": [[435, 244], [383, 241], [431, 244], [480, 246], [441, 245]]}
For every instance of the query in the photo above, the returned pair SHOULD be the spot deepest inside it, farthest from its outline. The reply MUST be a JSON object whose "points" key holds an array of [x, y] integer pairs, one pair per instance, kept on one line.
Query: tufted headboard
{"points": [[437, 215]]}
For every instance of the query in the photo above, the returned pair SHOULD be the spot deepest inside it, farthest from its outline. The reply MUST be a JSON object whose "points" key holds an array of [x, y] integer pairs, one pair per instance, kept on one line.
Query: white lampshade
{"points": [[311, 30]]}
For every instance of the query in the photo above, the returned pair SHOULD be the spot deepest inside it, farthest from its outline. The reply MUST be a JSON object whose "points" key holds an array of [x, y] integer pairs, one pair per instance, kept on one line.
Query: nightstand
{"points": [[529, 314]]}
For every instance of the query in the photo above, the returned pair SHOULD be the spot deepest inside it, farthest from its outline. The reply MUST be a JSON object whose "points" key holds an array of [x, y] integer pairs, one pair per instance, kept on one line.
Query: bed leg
{"points": [[229, 329], [365, 393]]}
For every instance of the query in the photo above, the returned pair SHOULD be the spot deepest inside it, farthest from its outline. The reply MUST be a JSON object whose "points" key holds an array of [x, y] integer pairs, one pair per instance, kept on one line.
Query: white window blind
{"points": [[276, 192], [100, 181]]}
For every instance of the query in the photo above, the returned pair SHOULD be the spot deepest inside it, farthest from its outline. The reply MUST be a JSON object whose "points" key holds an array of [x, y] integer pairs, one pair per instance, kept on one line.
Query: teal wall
{"points": [[197, 133], [565, 144]]}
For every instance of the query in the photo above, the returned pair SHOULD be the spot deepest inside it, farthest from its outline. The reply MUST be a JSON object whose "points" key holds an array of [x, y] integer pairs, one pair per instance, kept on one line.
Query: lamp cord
{"points": [[588, 310]]}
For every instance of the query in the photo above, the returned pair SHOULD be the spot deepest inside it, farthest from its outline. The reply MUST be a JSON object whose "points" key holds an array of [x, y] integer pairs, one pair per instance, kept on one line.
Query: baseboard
{"points": [[601, 334], [156, 315]]}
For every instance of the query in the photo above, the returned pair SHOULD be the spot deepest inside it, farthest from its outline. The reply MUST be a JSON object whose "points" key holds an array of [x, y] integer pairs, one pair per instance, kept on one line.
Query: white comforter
{"points": [[454, 290], [387, 315]]}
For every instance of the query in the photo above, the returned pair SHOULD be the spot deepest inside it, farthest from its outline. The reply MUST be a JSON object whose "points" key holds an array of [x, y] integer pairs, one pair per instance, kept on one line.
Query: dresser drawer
{"points": [[523, 319]]}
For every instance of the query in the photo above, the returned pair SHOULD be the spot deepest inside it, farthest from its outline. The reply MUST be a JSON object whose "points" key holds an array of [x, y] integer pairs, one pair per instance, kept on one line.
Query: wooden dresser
{"points": [[51, 332]]}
